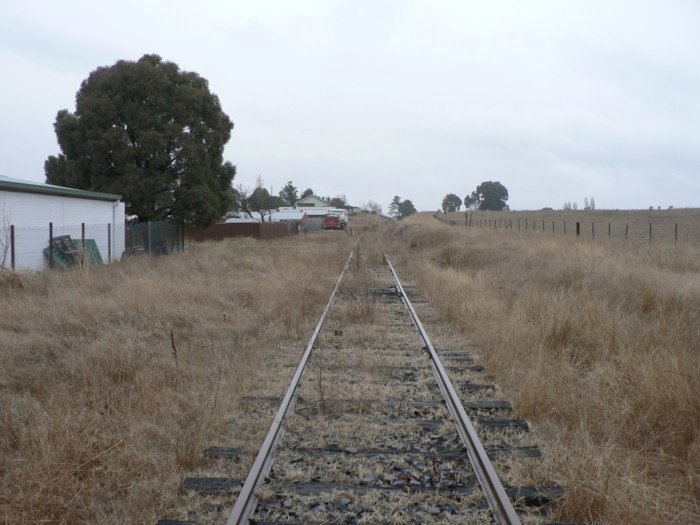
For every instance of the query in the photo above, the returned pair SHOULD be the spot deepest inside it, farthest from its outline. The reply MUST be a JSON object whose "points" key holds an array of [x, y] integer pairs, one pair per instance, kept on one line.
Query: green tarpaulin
{"points": [[65, 257]]}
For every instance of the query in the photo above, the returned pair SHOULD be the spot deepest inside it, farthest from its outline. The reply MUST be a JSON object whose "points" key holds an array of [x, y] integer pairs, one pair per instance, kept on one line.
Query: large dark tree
{"points": [[307, 192], [488, 196], [152, 133], [451, 202]]}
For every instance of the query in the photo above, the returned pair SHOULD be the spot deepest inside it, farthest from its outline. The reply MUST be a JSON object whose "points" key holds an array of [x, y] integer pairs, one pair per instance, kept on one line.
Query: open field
{"points": [[630, 224], [598, 344], [103, 415]]}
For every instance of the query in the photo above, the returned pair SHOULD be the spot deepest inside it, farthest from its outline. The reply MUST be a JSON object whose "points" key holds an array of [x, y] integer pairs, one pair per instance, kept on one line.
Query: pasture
{"points": [[631, 225]]}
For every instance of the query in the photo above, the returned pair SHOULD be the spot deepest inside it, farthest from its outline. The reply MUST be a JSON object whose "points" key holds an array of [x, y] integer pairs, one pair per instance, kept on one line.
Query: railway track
{"points": [[373, 430]]}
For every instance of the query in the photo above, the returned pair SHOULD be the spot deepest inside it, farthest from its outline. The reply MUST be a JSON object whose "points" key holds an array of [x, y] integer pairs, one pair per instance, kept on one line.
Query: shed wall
{"points": [[31, 214]]}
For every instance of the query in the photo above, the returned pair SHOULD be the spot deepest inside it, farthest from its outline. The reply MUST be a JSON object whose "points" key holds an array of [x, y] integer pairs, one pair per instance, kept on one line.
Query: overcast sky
{"points": [[556, 99]]}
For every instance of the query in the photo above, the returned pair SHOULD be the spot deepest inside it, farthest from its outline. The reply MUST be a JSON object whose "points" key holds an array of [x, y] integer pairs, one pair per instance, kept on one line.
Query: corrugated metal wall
{"points": [[265, 230]]}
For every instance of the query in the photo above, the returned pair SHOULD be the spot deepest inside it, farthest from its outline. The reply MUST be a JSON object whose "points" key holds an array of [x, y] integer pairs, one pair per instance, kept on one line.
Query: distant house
{"points": [[312, 201], [36, 211], [353, 210]]}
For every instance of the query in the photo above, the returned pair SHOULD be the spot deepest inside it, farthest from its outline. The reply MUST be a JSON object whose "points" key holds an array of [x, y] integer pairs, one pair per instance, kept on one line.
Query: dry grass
{"points": [[597, 344], [633, 224], [102, 412]]}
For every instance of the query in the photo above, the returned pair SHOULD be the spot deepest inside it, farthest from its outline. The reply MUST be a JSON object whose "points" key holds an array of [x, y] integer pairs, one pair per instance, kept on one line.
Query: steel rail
{"points": [[495, 494], [248, 497]]}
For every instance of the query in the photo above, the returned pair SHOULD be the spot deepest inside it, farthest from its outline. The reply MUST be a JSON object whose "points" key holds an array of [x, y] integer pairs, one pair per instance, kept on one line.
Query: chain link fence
{"points": [[155, 237]]}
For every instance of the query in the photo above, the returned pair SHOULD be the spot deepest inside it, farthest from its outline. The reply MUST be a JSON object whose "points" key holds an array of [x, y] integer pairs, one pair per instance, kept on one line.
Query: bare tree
{"points": [[374, 207]]}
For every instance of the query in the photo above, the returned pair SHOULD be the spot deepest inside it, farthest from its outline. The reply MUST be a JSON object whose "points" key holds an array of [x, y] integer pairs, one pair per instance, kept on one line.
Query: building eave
{"points": [[7, 184]]}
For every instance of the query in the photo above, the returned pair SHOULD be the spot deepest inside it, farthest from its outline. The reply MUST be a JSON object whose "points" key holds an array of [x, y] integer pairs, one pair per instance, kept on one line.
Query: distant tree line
{"points": [[400, 209], [489, 195], [588, 205]]}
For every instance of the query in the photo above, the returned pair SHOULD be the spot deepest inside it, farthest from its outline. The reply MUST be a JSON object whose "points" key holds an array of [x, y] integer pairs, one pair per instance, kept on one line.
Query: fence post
{"points": [[578, 229], [552, 227], [675, 241], [649, 232], [12, 244], [51, 245], [526, 221], [593, 230], [109, 243], [82, 244], [609, 232], [564, 227], [542, 225], [149, 238], [627, 227]]}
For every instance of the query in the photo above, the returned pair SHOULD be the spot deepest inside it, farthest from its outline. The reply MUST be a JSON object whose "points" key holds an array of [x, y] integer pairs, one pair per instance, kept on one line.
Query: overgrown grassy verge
{"points": [[114, 379], [598, 346]]}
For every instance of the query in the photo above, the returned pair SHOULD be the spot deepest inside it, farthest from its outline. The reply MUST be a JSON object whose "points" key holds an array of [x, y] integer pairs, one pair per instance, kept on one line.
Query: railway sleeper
{"points": [[212, 486], [530, 496], [486, 404], [451, 454]]}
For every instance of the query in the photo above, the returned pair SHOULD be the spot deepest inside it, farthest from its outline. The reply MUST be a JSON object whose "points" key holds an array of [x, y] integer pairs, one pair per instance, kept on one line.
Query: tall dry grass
{"points": [[597, 344], [113, 379]]}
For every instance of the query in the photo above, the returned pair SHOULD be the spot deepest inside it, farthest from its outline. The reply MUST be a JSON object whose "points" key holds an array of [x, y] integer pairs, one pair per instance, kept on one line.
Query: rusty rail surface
{"points": [[248, 497], [498, 500]]}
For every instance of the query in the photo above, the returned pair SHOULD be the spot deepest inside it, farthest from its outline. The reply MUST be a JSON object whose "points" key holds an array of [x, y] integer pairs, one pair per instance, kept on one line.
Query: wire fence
{"points": [[59, 245], [56, 246], [684, 228], [154, 237]]}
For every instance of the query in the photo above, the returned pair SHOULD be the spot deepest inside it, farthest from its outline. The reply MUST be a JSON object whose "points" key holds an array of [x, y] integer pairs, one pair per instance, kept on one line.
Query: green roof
{"points": [[8, 184]]}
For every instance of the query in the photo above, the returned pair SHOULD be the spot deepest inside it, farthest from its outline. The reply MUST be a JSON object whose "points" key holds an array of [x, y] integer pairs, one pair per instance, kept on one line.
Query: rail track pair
{"points": [[425, 469]]}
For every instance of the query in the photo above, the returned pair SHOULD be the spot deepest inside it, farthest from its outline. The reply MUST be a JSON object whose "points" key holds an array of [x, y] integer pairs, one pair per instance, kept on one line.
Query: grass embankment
{"points": [[101, 414], [598, 345]]}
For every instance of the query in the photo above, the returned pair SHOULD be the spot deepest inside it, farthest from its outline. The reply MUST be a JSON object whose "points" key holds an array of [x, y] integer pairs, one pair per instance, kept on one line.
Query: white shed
{"points": [[30, 212]]}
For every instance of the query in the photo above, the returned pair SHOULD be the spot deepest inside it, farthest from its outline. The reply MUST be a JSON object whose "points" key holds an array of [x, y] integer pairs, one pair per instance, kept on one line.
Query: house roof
{"points": [[312, 199], [320, 211], [242, 220], [10, 184], [288, 215]]}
